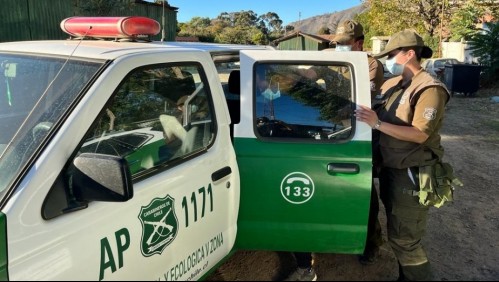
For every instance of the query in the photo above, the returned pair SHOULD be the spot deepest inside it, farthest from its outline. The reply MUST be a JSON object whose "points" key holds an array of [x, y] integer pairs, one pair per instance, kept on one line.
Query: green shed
{"points": [[40, 19], [302, 41]]}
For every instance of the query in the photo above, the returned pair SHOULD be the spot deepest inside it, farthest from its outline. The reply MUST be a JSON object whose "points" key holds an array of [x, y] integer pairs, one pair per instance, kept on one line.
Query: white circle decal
{"points": [[297, 188]]}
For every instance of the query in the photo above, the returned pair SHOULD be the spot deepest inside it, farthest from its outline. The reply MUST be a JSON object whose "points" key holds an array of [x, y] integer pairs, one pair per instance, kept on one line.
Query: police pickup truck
{"points": [[125, 159]]}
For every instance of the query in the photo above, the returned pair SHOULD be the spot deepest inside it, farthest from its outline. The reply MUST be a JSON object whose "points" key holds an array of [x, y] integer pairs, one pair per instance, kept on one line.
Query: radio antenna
{"points": [[45, 92], [163, 23]]}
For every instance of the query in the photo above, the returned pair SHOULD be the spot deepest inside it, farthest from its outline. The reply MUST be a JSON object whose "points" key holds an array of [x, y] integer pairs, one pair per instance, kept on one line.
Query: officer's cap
{"points": [[347, 31], [406, 38]]}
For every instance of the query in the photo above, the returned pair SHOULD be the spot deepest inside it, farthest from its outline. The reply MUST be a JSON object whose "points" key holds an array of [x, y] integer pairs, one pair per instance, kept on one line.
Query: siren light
{"points": [[110, 27]]}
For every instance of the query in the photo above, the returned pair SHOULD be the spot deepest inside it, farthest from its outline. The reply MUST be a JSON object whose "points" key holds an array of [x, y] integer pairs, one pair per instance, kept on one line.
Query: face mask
{"points": [[270, 95], [394, 67], [343, 48], [194, 108]]}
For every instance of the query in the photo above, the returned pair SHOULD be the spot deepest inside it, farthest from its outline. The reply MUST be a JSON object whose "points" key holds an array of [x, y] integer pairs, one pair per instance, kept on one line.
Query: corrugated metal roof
{"points": [[40, 19]]}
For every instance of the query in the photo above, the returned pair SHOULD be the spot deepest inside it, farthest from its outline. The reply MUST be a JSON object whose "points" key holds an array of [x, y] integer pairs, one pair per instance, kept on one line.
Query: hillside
{"points": [[331, 20]]}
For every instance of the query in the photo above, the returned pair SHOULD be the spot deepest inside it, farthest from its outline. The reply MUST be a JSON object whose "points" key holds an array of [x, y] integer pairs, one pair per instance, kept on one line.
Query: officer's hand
{"points": [[365, 114]]}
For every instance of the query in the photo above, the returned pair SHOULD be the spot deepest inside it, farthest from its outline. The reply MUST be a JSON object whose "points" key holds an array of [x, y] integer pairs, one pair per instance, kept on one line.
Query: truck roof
{"points": [[109, 50]]}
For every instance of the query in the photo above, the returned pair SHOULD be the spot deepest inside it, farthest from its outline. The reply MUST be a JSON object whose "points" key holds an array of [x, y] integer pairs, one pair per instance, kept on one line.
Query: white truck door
{"points": [[304, 160], [181, 220]]}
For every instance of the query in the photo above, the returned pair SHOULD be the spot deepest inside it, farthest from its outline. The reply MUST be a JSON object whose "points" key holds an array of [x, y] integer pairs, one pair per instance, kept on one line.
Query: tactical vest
{"points": [[375, 75], [403, 154]]}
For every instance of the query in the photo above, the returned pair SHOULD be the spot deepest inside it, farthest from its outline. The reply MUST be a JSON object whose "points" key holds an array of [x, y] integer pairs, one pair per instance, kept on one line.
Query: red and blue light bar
{"points": [[110, 27]]}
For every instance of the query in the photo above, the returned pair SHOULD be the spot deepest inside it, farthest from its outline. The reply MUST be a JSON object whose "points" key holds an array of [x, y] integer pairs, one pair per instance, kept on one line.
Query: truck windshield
{"points": [[35, 93]]}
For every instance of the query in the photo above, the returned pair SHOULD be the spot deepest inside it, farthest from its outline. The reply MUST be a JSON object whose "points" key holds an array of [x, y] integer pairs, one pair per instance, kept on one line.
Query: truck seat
{"points": [[234, 100]]}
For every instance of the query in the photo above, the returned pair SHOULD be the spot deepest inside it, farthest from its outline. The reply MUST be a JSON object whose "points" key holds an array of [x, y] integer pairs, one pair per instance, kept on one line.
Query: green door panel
{"points": [[333, 219], [4, 275]]}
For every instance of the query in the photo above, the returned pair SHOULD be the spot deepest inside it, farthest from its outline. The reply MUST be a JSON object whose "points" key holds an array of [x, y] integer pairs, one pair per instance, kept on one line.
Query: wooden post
{"points": [[441, 30]]}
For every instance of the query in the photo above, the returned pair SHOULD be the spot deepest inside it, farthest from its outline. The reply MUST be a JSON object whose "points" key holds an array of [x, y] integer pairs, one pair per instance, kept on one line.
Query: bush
{"points": [[485, 45]]}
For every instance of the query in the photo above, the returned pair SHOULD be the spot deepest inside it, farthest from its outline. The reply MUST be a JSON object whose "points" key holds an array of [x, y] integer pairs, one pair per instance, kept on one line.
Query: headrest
{"points": [[172, 128], [235, 82], [174, 88]]}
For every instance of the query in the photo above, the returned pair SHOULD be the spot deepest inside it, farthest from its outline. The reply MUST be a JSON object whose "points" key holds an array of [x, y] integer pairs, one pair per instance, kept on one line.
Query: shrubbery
{"points": [[485, 46]]}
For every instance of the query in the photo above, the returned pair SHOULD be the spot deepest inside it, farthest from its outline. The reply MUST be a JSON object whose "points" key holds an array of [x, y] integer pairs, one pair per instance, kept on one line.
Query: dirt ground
{"points": [[462, 239]]}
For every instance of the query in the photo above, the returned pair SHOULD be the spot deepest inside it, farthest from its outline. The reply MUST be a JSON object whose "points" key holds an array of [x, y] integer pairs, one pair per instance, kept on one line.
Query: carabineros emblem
{"points": [[159, 225]]}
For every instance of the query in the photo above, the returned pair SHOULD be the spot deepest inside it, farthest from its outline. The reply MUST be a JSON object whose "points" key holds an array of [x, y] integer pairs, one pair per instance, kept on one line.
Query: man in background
{"points": [[349, 37]]}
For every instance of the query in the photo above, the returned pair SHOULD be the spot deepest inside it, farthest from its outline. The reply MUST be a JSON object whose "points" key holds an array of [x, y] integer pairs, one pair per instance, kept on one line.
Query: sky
{"points": [[288, 10]]}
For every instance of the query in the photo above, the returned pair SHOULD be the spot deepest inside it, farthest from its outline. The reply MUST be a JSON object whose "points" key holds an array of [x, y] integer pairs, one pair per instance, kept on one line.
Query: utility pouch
{"points": [[437, 184]]}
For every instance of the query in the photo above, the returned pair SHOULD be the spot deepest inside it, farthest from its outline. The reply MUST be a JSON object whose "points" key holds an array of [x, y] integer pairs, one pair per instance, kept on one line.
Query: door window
{"points": [[303, 101], [159, 115]]}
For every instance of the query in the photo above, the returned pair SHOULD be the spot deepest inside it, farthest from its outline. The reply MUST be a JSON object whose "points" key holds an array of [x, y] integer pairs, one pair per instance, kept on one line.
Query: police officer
{"points": [[409, 123], [350, 37]]}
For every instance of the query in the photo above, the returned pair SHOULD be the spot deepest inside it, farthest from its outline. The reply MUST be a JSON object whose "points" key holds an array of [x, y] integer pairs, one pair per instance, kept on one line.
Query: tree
{"points": [[239, 35], [429, 18], [199, 27], [491, 7], [463, 24], [469, 15], [244, 27], [324, 30], [390, 16], [369, 31], [245, 18], [239, 28], [271, 25], [242, 18]]}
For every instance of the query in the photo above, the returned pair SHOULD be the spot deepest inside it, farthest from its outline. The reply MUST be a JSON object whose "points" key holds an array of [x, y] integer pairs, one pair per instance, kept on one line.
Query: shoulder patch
{"points": [[430, 113]]}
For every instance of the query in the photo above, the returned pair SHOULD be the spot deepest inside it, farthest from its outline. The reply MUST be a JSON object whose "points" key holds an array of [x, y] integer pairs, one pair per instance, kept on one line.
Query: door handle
{"points": [[221, 173], [343, 168]]}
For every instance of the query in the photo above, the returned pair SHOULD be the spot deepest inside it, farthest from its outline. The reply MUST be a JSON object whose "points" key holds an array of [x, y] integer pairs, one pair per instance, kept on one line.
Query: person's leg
{"points": [[303, 260], [406, 224], [304, 271], [374, 238]]}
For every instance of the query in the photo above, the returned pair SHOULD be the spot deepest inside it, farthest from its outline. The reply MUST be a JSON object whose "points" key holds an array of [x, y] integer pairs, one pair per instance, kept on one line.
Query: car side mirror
{"points": [[98, 177]]}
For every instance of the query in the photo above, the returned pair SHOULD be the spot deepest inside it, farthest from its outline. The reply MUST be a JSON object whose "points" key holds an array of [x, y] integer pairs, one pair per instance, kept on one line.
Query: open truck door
{"points": [[305, 161]]}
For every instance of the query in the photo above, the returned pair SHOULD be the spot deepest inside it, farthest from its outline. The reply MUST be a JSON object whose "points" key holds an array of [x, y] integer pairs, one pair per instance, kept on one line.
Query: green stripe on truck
{"points": [[4, 276]]}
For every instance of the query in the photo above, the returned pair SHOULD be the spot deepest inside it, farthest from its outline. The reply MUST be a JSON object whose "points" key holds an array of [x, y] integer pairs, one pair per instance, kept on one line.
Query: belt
{"points": [[410, 192]]}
